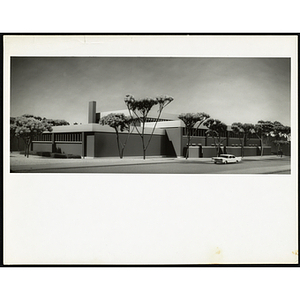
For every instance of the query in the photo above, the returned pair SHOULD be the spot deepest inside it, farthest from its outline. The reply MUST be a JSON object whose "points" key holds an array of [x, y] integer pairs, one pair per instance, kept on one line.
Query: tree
{"points": [[217, 130], [27, 127], [120, 123], [281, 134], [263, 129], [139, 110], [12, 131], [243, 132], [56, 122], [190, 120], [281, 131]]}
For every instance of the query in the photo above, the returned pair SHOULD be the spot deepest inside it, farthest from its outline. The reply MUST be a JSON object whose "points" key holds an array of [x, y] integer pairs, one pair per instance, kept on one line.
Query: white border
{"points": [[205, 46]]}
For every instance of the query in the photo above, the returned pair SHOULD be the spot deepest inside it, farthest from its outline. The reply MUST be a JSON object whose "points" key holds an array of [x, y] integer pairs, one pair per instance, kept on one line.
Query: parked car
{"points": [[226, 159]]}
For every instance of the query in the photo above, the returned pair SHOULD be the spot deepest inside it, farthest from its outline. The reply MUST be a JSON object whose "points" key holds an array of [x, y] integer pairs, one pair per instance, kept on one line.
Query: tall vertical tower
{"points": [[92, 112]]}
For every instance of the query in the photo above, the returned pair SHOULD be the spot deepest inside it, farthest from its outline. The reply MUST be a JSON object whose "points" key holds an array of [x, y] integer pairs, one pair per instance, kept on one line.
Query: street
{"points": [[274, 165]]}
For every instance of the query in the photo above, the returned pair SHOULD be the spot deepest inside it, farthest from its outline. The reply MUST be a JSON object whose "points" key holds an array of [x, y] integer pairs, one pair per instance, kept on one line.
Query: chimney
{"points": [[92, 112]]}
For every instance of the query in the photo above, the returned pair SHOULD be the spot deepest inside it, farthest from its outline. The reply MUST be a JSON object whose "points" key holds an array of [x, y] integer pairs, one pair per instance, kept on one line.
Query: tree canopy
{"points": [[216, 129], [120, 123], [263, 130], [116, 121], [281, 131], [243, 131], [139, 110], [56, 122], [190, 120], [27, 127]]}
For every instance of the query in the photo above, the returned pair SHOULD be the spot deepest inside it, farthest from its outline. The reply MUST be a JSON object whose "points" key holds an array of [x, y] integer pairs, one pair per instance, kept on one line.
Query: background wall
{"points": [[106, 145], [41, 146], [69, 148]]}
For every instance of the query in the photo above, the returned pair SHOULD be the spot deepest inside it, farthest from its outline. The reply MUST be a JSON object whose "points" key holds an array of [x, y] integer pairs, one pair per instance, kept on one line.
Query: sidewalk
{"points": [[19, 162]]}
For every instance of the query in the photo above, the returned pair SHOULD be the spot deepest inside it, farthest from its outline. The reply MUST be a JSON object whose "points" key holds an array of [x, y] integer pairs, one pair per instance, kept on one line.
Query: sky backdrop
{"points": [[229, 89]]}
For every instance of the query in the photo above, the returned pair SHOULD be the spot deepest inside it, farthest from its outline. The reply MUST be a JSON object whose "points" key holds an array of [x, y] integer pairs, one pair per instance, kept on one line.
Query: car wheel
{"points": [[237, 161], [225, 162]]}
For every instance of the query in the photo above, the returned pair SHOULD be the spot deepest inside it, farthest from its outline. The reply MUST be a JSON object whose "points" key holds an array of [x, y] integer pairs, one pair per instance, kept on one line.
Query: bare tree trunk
{"points": [[124, 145], [122, 152], [118, 142], [143, 140], [187, 148], [27, 146], [242, 146], [242, 150]]}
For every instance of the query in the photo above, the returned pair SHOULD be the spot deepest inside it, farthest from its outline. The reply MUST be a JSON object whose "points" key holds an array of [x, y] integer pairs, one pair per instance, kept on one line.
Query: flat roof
{"points": [[96, 128]]}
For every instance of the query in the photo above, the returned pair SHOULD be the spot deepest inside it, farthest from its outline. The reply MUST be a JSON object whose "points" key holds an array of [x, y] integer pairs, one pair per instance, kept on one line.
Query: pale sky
{"points": [[229, 89]]}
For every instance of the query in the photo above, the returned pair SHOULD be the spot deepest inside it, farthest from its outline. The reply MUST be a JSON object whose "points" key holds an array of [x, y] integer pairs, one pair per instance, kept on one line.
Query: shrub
{"points": [[44, 153], [58, 155], [73, 156]]}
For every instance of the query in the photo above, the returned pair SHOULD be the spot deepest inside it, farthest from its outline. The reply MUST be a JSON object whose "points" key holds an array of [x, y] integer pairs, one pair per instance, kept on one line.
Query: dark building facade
{"points": [[169, 140]]}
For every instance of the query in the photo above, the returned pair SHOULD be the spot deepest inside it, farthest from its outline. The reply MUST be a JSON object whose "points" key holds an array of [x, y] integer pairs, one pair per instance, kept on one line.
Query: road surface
{"points": [[177, 166]]}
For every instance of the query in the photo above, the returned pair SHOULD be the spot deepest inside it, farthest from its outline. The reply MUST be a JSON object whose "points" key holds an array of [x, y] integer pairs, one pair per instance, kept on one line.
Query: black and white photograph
{"points": [[173, 115], [150, 149]]}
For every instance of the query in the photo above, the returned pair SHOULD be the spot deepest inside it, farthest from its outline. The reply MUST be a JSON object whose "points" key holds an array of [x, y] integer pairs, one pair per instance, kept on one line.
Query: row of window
{"points": [[198, 132], [46, 137], [68, 137], [60, 137], [235, 135], [202, 132], [194, 132], [77, 137], [153, 120]]}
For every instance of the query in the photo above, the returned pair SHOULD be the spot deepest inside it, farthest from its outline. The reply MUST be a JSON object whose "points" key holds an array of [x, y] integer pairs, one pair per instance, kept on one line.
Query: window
{"points": [[46, 137], [68, 137], [195, 132]]}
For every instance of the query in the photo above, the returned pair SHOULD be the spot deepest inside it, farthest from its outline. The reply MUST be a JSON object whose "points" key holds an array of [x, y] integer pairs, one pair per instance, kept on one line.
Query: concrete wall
{"points": [[253, 141], [266, 150], [106, 145], [172, 144], [234, 141], [69, 148], [250, 151], [210, 141], [42, 146], [195, 140], [174, 136], [237, 151], [60, 147], [209, 151]]}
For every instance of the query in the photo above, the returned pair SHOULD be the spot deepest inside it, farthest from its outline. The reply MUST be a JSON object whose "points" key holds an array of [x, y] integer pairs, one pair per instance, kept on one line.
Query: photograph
{"points": [[168, 115], [150, 150]]}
